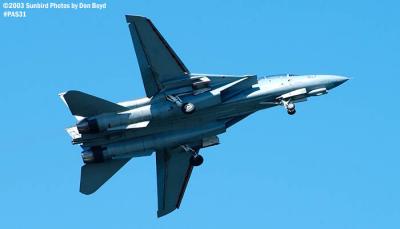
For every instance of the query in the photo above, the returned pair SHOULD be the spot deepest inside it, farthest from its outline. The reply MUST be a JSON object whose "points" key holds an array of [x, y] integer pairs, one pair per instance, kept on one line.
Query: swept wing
{"points": [[159, 65], [173, 173]]}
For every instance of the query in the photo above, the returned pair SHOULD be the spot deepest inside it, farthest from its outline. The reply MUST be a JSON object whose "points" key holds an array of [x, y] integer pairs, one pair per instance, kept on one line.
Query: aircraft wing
{"points": [[159, 65], [173, 173]]}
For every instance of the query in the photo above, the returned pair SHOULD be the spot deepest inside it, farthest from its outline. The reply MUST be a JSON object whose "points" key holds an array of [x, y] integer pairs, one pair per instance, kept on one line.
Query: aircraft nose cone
{"points": [[338, 80]]}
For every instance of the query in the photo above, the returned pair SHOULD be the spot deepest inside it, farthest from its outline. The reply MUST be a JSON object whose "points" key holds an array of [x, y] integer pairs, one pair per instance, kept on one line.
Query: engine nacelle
{"points": [[107, 121], [146, 145], [160, 110]]}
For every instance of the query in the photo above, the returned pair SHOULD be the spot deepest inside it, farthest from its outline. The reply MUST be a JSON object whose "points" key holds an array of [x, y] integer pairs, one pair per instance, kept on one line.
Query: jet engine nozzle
{"points": [[87, 156], [88, 126], [93, 155]]}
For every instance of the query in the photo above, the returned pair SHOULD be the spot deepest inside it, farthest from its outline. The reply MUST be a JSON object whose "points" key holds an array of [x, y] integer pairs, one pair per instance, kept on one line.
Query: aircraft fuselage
{"points": [[170, 127], [182, 113]]}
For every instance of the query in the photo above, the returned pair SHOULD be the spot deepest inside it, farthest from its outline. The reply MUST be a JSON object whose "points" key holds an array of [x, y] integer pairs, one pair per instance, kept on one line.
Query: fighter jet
{"points": [[182, 113]]}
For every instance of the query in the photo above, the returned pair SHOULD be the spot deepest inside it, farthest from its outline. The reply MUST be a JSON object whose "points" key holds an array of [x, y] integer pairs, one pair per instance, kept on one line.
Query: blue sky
{"points": [[335, 164]]}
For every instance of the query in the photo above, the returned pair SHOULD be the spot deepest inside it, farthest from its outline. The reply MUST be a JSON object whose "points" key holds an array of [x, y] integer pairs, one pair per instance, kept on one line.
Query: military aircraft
{"points": [[182, 113]]}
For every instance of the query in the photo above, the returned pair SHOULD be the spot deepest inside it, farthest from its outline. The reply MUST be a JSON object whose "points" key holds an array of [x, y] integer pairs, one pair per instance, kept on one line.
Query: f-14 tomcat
{"points": [[181, 114]]}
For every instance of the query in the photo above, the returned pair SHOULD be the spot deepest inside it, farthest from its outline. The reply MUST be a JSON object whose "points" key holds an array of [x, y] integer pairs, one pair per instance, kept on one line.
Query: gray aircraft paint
{"points": [[112, 133]]}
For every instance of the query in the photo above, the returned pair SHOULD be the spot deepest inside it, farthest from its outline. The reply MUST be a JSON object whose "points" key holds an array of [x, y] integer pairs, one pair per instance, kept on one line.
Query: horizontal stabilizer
{"points": [[93, 176], [85, 105]]}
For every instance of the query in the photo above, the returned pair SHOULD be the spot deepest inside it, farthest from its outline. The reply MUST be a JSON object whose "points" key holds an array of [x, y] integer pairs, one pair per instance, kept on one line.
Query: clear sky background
{"points": [[335, 164]]}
